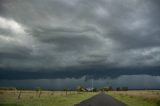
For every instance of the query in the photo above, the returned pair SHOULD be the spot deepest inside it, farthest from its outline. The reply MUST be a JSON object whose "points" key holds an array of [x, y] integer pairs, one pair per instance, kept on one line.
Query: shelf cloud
{"points": [[55, 35]]}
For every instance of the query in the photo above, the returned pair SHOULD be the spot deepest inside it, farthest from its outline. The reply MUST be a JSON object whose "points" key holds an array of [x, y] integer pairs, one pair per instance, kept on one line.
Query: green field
{"points": [[137, 98], [69, 98], [45, 98]]}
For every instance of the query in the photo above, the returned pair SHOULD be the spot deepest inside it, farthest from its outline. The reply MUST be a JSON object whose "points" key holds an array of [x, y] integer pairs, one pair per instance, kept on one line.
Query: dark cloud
{"points": [[57, 34], [131, 81], [96, 72]]}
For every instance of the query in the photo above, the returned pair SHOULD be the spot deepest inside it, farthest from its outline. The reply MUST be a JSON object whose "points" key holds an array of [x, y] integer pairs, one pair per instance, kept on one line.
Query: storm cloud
{"points": [[54, 35]]}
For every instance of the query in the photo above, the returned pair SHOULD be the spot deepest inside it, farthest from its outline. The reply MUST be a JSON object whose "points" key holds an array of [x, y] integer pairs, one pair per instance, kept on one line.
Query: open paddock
{"points": [[138, 97], [42, 98]]}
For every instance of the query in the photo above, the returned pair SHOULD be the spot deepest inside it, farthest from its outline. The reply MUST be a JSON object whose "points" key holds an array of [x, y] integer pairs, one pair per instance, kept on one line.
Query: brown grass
{"points": [[33, 94], [152, 94]]}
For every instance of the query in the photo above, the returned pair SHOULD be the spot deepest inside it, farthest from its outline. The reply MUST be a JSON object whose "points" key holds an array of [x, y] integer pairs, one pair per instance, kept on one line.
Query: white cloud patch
{"points": [[13, 26]]}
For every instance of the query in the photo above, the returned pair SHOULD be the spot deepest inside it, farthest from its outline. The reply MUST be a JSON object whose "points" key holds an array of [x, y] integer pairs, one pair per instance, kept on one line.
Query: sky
{"points": [[62, 41]]}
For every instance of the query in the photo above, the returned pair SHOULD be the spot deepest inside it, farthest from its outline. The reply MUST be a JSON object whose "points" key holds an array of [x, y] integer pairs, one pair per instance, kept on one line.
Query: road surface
{"points": [[101, 99]]}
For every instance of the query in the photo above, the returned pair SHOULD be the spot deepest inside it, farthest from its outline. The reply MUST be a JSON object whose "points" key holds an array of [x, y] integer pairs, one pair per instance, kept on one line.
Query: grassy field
{"points": [[61, 98], [137, 98], [44, 98]]}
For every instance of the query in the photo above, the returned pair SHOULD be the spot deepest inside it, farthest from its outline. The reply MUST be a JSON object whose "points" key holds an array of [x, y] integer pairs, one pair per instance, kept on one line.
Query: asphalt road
{"points": [[101, 99]]}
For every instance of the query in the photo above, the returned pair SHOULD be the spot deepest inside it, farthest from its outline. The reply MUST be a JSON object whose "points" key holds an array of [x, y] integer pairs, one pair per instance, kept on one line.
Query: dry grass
{"points": [[7, 95], [46, 98], [148, 94], [138, 97]]}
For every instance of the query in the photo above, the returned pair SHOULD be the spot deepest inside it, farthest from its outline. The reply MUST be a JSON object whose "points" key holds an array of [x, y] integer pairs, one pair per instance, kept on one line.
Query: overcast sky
{"points": [[40, 35]]}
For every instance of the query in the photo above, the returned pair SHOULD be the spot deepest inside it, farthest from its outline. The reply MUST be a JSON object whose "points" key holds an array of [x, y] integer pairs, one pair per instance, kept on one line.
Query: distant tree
{"points": [[95, 89], [110, 88], [101, 89], [124, 88], [118, 88], [106, 88]]}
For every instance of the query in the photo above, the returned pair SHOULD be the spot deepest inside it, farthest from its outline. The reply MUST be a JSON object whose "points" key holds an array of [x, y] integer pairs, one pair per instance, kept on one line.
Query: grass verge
{"points": [[135, 100], [46, 100]]}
